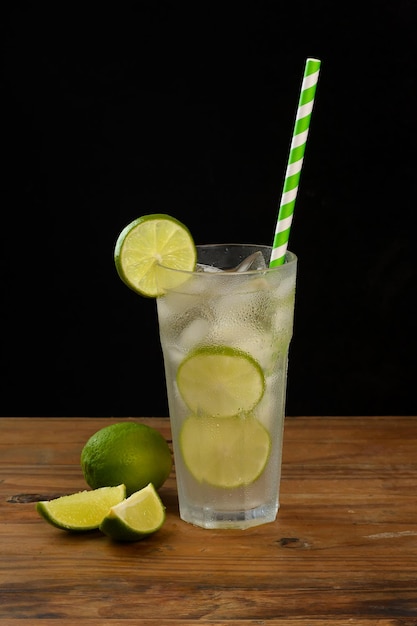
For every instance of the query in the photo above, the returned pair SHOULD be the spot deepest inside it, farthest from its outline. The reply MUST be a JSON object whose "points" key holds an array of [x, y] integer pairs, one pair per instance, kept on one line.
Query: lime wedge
{"points": [[136, 517], [220, 381], [81, 511], [146, 243], [229, 452]]}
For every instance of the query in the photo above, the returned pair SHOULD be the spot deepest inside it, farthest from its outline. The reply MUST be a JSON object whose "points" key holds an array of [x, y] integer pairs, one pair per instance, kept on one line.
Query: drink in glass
{"points": [[225, 336]]}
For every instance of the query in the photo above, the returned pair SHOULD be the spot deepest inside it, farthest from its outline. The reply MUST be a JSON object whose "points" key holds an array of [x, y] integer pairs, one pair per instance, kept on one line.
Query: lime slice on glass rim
{"points": [[229, 452], [136, 517], [220, 381], [81, 511], [148, 242]]}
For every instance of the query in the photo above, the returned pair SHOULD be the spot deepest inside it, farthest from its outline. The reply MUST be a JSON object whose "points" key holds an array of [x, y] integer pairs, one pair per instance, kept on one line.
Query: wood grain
{"points": [[342, 551]]}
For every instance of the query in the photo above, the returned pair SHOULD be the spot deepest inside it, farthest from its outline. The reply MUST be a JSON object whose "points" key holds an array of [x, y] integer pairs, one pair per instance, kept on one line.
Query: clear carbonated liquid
{"points": [[253, 313]]}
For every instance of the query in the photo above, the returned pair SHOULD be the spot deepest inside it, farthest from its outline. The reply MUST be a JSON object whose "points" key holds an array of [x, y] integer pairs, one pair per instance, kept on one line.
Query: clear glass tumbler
{"points": [[225, 337]]}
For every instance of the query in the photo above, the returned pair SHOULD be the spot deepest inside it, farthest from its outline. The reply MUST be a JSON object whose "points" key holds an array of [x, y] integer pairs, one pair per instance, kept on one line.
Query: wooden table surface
{"points": [[343, 550]]}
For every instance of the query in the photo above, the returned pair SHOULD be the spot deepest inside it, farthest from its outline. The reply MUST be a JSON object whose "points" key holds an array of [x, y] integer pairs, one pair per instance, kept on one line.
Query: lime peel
{"points": [[131, 453]]}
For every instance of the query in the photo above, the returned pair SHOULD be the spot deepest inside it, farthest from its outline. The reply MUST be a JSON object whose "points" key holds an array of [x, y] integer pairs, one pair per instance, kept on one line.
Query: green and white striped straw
{"points": [[295, 162]]}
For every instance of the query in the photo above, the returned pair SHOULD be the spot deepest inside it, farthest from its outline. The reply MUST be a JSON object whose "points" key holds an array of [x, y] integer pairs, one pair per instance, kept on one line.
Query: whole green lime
{"points": [[126, 453]]}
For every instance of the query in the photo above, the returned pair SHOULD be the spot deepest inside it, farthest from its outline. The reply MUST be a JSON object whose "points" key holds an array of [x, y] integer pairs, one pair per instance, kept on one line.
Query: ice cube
{"points": [[207, 268], [254, 261], [194, 334]]}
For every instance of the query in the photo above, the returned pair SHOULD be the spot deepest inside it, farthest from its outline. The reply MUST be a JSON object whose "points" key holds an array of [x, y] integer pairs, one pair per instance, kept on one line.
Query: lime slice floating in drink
{"points": [[220, 381], [136, 517], [81, 511], [148, 242], [228, 452]]}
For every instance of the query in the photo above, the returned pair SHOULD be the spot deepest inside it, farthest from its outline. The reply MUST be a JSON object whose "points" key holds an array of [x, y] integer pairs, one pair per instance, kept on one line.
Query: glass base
{"points": [[206, 517]]}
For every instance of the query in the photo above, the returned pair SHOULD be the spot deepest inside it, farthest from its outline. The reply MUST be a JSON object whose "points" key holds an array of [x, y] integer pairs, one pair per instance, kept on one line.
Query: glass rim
{"points": [[292, 258]]}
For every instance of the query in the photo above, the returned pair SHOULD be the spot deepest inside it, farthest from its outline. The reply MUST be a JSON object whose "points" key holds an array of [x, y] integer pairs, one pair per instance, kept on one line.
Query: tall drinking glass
{"points": [[225, 337]]}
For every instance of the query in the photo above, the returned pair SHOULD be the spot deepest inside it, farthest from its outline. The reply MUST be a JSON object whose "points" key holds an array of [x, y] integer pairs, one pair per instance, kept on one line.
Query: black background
{"points": [[116, 111]]}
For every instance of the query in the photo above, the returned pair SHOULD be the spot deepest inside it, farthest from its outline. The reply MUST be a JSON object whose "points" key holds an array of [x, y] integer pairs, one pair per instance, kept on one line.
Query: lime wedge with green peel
{"points": [[151, 241], [228, 452], [220, 381], [81, 511], [136, 517]]}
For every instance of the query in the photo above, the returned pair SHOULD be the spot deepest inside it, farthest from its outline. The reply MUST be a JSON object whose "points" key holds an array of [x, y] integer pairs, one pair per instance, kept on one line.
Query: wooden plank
{"points": [[342, 551]]}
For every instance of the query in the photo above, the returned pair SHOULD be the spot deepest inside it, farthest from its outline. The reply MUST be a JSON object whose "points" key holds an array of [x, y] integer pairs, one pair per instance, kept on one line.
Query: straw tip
{"points": [[312, 66], [311, 61]]}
